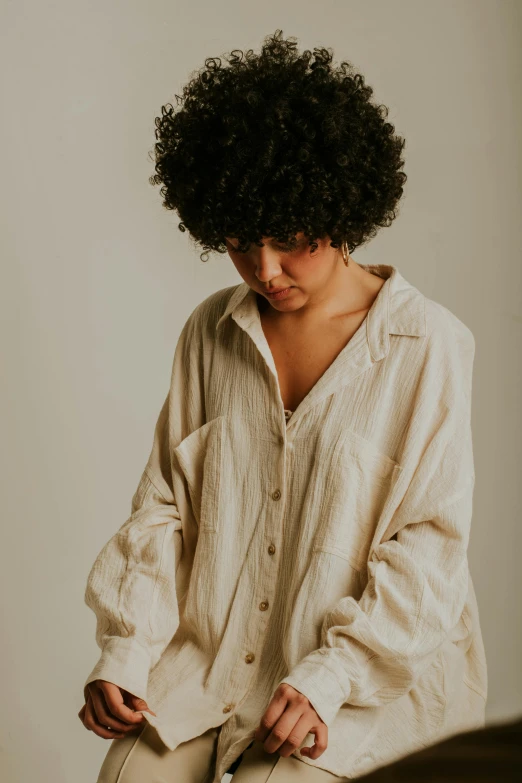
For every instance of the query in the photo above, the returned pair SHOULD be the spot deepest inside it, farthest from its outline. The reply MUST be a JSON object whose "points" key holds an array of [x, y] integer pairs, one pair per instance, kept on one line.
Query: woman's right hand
{"points": [[108, 705]]}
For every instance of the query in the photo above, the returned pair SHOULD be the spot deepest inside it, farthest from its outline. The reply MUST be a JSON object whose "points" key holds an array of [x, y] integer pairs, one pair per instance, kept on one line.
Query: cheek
{"points": [[308, 266]]}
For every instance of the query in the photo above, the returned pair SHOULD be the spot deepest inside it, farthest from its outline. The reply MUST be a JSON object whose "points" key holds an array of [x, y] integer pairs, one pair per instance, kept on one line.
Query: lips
{"points": [[279, 293]]}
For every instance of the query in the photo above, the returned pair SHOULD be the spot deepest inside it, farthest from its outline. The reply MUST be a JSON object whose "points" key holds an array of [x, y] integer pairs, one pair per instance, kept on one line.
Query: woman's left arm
{"points": [[376, 648]]}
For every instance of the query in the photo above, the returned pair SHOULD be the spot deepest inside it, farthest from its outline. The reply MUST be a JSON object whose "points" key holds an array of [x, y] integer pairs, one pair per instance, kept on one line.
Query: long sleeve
{"points": [[375, 649], [131, 587]]}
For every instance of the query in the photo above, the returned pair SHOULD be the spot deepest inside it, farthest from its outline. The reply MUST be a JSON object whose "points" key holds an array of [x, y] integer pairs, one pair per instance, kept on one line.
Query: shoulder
{"points": [[445, 332], [448, 350]]}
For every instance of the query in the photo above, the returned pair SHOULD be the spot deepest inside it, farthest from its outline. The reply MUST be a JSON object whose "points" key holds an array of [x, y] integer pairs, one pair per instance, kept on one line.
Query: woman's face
{"points": [[302, 272]]}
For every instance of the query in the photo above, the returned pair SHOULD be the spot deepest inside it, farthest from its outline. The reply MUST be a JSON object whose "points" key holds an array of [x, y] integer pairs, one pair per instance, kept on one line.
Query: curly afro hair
{"points": [[276, 144]]}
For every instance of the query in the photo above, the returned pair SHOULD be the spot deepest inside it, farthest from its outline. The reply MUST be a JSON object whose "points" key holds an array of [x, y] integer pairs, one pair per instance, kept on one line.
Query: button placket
{"points": [[255, 633], [264, 604]]}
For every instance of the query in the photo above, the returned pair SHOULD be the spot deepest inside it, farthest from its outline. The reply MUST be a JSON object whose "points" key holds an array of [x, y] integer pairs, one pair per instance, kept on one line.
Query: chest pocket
{"points": [[200, 456], [360, 479]]}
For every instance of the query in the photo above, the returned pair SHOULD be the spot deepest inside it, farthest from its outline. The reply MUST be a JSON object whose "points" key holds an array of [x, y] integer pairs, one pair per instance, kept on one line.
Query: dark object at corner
{"points": [[492, 754]]}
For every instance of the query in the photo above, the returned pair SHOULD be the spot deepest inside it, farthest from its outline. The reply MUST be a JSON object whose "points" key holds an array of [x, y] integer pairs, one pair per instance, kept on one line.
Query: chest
{"points": [[302, 356]]}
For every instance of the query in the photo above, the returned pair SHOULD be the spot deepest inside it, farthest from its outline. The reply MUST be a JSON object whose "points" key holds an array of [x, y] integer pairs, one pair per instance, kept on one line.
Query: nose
{"points": [[267, 265]]}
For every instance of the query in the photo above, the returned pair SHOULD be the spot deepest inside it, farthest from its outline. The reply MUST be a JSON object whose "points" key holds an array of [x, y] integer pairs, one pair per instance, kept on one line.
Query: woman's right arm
{"points": [[131, 587]]}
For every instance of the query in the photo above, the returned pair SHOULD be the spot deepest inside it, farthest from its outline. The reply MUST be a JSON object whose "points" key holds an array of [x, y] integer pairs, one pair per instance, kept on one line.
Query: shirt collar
{"points": [[399, 308]]}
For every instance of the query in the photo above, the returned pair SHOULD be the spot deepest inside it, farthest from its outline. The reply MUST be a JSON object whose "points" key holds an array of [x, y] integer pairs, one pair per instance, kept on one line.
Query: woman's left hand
{"points": [[287, 720]]}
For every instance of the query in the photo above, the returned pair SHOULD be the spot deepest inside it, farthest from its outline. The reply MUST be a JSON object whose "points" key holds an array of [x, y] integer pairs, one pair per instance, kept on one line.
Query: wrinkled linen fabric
{"points": [[324, 547]]}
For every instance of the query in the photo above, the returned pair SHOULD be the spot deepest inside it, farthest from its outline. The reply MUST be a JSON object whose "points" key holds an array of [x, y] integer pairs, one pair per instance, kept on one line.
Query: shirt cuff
{"points": [[125, 662], [317, 677]]}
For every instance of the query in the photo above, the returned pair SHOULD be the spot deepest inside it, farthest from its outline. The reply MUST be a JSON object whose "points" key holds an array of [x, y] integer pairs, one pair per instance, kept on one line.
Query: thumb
{"points": [[140, 705]]}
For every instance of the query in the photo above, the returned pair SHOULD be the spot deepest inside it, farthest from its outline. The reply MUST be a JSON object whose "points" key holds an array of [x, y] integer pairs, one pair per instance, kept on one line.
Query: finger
{"points": [[320, 732], [272, 714], [91, 723], [104, 716], [139, 704], [284, 731], [116, 705], [295, 736]]}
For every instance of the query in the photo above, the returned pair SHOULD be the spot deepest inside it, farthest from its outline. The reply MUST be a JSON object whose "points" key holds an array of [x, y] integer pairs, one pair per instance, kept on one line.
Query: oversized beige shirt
{"points": [[326, 548]]}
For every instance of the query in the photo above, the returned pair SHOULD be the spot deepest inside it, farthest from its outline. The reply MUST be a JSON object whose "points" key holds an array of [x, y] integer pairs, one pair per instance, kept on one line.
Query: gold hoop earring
{"points": [[346, 253]]}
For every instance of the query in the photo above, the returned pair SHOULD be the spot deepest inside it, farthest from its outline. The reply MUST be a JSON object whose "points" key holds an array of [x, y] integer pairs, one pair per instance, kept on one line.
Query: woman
{"points": [[290, 597]]}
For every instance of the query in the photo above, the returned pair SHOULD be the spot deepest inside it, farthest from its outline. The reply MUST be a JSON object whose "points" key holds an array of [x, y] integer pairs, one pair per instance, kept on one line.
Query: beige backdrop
{"points": [[97, 282]]}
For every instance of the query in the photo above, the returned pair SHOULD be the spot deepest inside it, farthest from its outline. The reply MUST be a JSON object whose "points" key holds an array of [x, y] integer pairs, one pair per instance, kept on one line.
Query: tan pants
{"points": [[143, 758]]}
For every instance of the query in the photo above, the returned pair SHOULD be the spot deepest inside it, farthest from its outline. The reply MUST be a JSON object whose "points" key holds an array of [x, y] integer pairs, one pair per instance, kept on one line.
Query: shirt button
{"points": [[249, 658], [276, 494], [263, 606], [271, 549], [228, 707]]}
